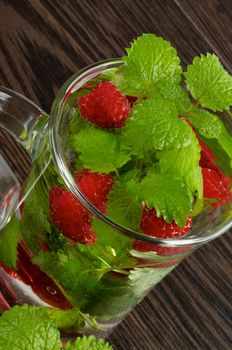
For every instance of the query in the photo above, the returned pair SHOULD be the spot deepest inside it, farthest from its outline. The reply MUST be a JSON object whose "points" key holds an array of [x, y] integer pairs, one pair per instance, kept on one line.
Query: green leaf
{"points": [[155, 257], [225, 141], [142, 279], [184, 162], [73, 271], [169, 194], [76, 124], [211, 127], [90, 343], [28, 328], [176, 94], [111, 247], [222, 159], [9, 238], [209, 83], [154, 124], [67, 320], [72, 321], [149, 60], [100, 150], [35, 223], [113, 74], [124, 208], [116, 297], [207, 124]]}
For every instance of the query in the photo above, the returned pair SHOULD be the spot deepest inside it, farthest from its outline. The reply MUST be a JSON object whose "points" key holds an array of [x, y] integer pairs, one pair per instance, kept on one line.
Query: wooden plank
{"points": [[213, 19]]}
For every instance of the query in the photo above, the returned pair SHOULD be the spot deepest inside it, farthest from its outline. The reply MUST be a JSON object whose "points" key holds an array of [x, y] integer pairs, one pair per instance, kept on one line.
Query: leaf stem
{"points": [[229, 113], [194, 106], [117, 174]]}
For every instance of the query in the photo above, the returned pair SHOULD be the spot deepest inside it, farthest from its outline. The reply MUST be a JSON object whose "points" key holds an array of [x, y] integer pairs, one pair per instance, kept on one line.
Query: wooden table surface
{"points": [[44, 42]]}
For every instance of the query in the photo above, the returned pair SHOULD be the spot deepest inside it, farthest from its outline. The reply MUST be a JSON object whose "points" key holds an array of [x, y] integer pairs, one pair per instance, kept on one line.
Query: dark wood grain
{"points": [[41, 44]]}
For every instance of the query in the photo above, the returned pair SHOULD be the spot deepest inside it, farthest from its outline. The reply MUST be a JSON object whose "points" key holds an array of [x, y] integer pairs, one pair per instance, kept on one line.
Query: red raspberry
{"points": [[105, 106], [153, 225], [70, 216], [95, 187], [207, 157], [216, 185], [39, 281], [157, 227]]}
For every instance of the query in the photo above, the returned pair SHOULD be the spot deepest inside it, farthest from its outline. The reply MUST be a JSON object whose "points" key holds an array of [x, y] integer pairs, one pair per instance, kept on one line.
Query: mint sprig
{"points": [[149, 60], [209, 83]]}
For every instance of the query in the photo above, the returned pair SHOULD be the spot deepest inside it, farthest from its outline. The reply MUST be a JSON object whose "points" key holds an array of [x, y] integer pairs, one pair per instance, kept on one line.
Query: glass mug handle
{"points": [[20, 118]]}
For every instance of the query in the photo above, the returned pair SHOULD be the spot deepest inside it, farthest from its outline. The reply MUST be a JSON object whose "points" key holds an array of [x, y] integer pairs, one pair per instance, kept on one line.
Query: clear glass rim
{"points": [[60, 160]]}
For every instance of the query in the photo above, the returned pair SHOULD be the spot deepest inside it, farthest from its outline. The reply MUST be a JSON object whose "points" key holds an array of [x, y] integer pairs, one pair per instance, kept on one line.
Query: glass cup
{"points": [[87, 288]]}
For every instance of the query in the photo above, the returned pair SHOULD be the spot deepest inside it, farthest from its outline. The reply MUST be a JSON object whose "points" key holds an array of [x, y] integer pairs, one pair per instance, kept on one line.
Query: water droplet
{"points": [[51, 290]]}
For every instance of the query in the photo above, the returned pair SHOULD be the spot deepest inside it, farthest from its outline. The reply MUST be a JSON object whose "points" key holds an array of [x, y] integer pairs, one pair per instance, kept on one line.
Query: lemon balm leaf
{"points": [[141, 279], [176, 94], [210, 126], [149, 60], [169, 195], [209, 83], [100, 150], [154, 125], [207, 124], [123, 207], [28, 328], [88, 343], [185, 163], [9, 238]]}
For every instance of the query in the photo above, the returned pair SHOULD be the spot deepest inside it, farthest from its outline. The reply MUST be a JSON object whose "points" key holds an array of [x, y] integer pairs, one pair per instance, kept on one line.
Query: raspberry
{"points": [[105, 106], [216, 185], [153, 225], [157, 227], [70, 216], [95, 187], [207, 157], [39, 281]]}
